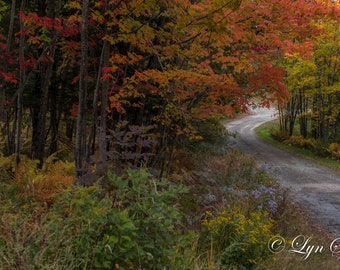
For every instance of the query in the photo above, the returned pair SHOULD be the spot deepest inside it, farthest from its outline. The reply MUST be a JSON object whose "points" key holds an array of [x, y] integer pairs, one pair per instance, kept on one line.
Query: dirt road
{"points": [[313, 186]]}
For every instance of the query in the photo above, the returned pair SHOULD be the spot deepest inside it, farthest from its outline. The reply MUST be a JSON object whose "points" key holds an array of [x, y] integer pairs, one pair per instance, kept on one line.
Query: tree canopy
{"points": [[129, 80]]}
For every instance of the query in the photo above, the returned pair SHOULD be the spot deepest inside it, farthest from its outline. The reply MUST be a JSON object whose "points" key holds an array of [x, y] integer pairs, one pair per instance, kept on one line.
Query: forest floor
{"points": [[312, 186]]}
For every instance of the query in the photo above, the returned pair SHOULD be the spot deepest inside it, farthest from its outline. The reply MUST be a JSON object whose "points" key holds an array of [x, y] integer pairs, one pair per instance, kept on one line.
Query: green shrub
{"points": [[128, 222], [153, 205], [92, 228]]}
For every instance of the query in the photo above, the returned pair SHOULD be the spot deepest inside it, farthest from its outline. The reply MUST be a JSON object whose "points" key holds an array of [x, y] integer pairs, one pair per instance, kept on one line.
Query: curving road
{"points": [[313, 186]]}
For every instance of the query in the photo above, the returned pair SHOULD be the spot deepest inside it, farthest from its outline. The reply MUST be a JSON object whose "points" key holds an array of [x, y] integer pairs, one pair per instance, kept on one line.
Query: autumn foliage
{"points": [[156, 64], [313, 81]]}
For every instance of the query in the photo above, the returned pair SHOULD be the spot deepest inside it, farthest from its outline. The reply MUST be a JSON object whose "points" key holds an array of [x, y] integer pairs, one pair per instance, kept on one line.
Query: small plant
{"points": [[132, 145]]}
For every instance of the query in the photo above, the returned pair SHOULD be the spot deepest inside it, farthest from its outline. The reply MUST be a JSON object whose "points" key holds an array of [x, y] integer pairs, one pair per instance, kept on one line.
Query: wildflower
{"points": [[242, 193], [211, 197], [230, 189], [272, 205], [255, 193], [267, 190]]}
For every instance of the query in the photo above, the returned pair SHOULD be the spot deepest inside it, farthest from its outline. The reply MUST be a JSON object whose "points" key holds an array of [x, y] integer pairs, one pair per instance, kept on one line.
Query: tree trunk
{"points": [[303, 103], [5, 67], [321, 122], [314, 122], [94, 117], [20, 90], [39, 140], [80, 149], [103, 110], [292, 110], [54, 121]]}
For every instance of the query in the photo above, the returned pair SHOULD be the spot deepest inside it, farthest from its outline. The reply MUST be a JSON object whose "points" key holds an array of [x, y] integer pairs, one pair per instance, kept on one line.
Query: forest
{"points": [[130, 80], [311, 114], [105, 106]]}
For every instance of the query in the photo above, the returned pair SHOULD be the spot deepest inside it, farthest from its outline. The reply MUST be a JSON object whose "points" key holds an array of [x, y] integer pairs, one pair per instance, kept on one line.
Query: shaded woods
{"points": [[130, 80]]}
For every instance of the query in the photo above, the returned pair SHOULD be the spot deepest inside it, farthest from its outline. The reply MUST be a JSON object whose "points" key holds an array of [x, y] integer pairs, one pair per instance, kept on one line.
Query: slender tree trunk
{"points": [[94, 117], [314, 129], [279, 108], [303, 104], [11, 131], [322, 119], [70, 123], [5, 116], [171, 155], [292, 110], [38, 142], [21, 90], [103, 110], [54, 121], [80, 149], [5, 67]]}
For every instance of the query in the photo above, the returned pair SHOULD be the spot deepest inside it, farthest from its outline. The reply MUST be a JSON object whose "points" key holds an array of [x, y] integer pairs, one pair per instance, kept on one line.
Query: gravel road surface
{"points": [[314, 187]]}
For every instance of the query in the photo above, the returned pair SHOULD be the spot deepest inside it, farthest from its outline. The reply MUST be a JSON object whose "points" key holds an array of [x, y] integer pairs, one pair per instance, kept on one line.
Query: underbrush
{"points": [[332, 150], [216, 211], [304, 147], [127, 222]]}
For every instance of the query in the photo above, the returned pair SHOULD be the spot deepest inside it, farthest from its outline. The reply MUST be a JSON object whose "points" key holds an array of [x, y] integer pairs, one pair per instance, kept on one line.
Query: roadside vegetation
{"points": [[305, 147], [215, 210]]}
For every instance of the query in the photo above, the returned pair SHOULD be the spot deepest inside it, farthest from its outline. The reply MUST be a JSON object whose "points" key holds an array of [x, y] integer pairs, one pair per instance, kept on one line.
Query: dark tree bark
{"points": [[5, 68], [94, 117], [19, 110], [46, 70], [103, 110], [8, 131], [303, 104], [54, 121], [314, 120], [80, 148], [292, 113]]}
